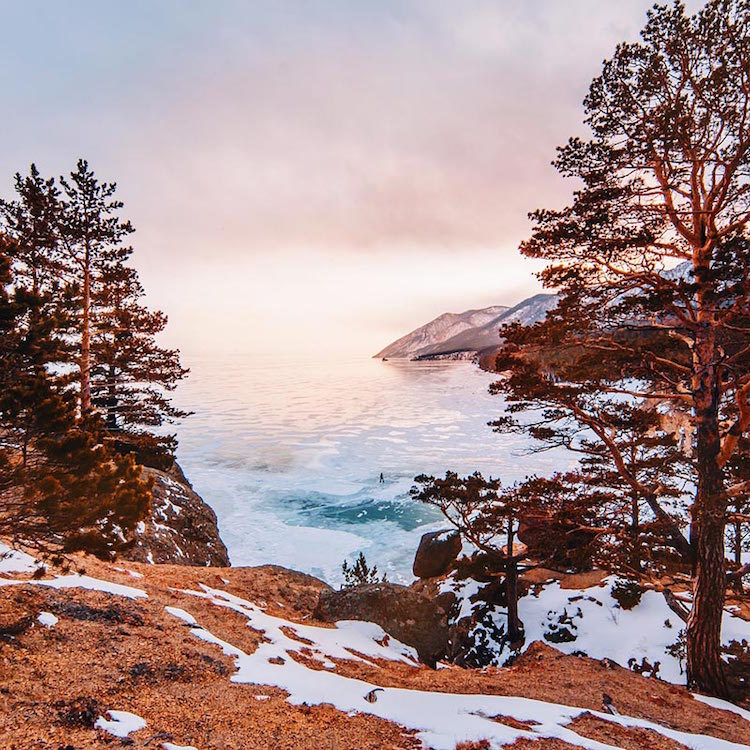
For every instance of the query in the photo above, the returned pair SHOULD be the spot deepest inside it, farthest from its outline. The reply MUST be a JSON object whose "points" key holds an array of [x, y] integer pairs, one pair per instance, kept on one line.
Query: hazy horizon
{"points": [[311, 176]]}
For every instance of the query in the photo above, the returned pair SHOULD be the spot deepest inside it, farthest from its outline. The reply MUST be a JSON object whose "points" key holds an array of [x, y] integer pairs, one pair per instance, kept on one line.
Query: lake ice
{"points": [[289, 454]]}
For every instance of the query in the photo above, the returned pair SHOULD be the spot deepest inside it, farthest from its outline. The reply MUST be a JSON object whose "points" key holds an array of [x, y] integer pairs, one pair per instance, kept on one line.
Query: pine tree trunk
{"points": [[515, 626], [635, 532], [705, 671], [111, 400], [85, 363]]}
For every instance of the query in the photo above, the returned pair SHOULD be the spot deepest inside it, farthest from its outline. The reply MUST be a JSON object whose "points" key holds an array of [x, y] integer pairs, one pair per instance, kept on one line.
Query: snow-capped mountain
{"points": [[467, 333]]}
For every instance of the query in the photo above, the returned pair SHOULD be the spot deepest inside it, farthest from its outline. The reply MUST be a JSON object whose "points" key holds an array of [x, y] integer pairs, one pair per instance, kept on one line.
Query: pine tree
{"points": [[60, 486], [664, 179], [31, 221], [488, 518], [130, 374], [630, 461], [124, 375], [90, 230]]}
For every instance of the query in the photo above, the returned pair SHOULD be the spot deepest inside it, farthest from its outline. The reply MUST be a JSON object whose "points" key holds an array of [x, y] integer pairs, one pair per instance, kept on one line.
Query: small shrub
{"points": [[678, 649], [360, 573], [626, 593], [79, 712]]}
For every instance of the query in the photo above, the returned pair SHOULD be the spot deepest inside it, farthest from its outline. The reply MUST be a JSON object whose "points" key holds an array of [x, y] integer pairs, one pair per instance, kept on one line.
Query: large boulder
{"points": [[411, 616], [180, 529], [436, 553]]}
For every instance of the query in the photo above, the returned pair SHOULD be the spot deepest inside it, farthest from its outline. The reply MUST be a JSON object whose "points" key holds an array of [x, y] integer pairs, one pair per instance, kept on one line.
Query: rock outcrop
{"points": [[181, 528], [413, 616], [436, 553]]}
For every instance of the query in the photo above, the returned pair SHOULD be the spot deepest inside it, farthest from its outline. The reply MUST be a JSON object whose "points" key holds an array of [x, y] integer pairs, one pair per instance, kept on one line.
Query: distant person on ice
{"points": [[382, 481]]}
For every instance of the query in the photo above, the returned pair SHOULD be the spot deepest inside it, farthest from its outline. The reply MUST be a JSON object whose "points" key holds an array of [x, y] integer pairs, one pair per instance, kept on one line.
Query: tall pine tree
{"points": [[663, 179], [90, 230], [124, 375], [61, 488], [131, 374]]}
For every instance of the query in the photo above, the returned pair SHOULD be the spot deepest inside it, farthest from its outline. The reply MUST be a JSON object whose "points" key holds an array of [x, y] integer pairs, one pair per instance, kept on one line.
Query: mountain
{"points": [[444, 327], [454, 335]]}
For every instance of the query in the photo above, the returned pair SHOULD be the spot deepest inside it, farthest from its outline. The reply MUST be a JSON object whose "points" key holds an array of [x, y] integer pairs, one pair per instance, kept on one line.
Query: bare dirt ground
{"points": [[109, 652]]}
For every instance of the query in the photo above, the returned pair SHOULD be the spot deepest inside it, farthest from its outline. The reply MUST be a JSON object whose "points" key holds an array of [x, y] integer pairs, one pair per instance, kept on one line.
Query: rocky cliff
{"points": [[181, 528]]}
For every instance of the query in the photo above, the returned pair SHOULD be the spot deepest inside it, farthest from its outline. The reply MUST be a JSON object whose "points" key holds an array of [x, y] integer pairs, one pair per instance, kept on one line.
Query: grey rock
{"points": [[411, 616], [436, 553]]}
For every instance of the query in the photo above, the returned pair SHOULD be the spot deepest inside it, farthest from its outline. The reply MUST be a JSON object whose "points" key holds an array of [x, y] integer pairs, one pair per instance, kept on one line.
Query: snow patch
{"points": [[723, 705], [120, 723], [82, 582], [591, 621], [47, 619], [13, 561], [600, 628], [182, 615]]}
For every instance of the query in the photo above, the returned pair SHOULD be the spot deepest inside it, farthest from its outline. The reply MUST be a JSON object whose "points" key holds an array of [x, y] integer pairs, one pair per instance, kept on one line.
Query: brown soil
{"points": [[108, 652], [627, 739]]}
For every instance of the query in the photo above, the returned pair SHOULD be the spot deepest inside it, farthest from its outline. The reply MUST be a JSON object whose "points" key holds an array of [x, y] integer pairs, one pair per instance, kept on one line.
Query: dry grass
{"points": [[114, 653]]}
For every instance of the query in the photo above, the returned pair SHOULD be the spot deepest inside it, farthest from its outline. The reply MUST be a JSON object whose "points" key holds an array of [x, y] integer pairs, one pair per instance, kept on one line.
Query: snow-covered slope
{"points": [[471, 331], [648, 637], [264, 668], [442, 328]]}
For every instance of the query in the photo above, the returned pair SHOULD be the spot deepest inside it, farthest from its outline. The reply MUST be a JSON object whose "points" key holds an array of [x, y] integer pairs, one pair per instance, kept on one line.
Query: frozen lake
{"points": [[289, 453]]}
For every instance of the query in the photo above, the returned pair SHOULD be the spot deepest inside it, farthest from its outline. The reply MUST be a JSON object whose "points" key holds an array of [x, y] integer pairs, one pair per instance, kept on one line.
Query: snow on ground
{"points": [[323, 644], [591, 621], [186, 617], [47, 619], [172, 746], [12, 561], [120, 723], [603, 629], [723, 705], [81, 582], [440, 719], [131, 573]]}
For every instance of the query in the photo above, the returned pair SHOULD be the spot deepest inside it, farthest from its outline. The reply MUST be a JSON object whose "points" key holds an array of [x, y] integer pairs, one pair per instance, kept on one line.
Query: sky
{"points": [[311, 176]]}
